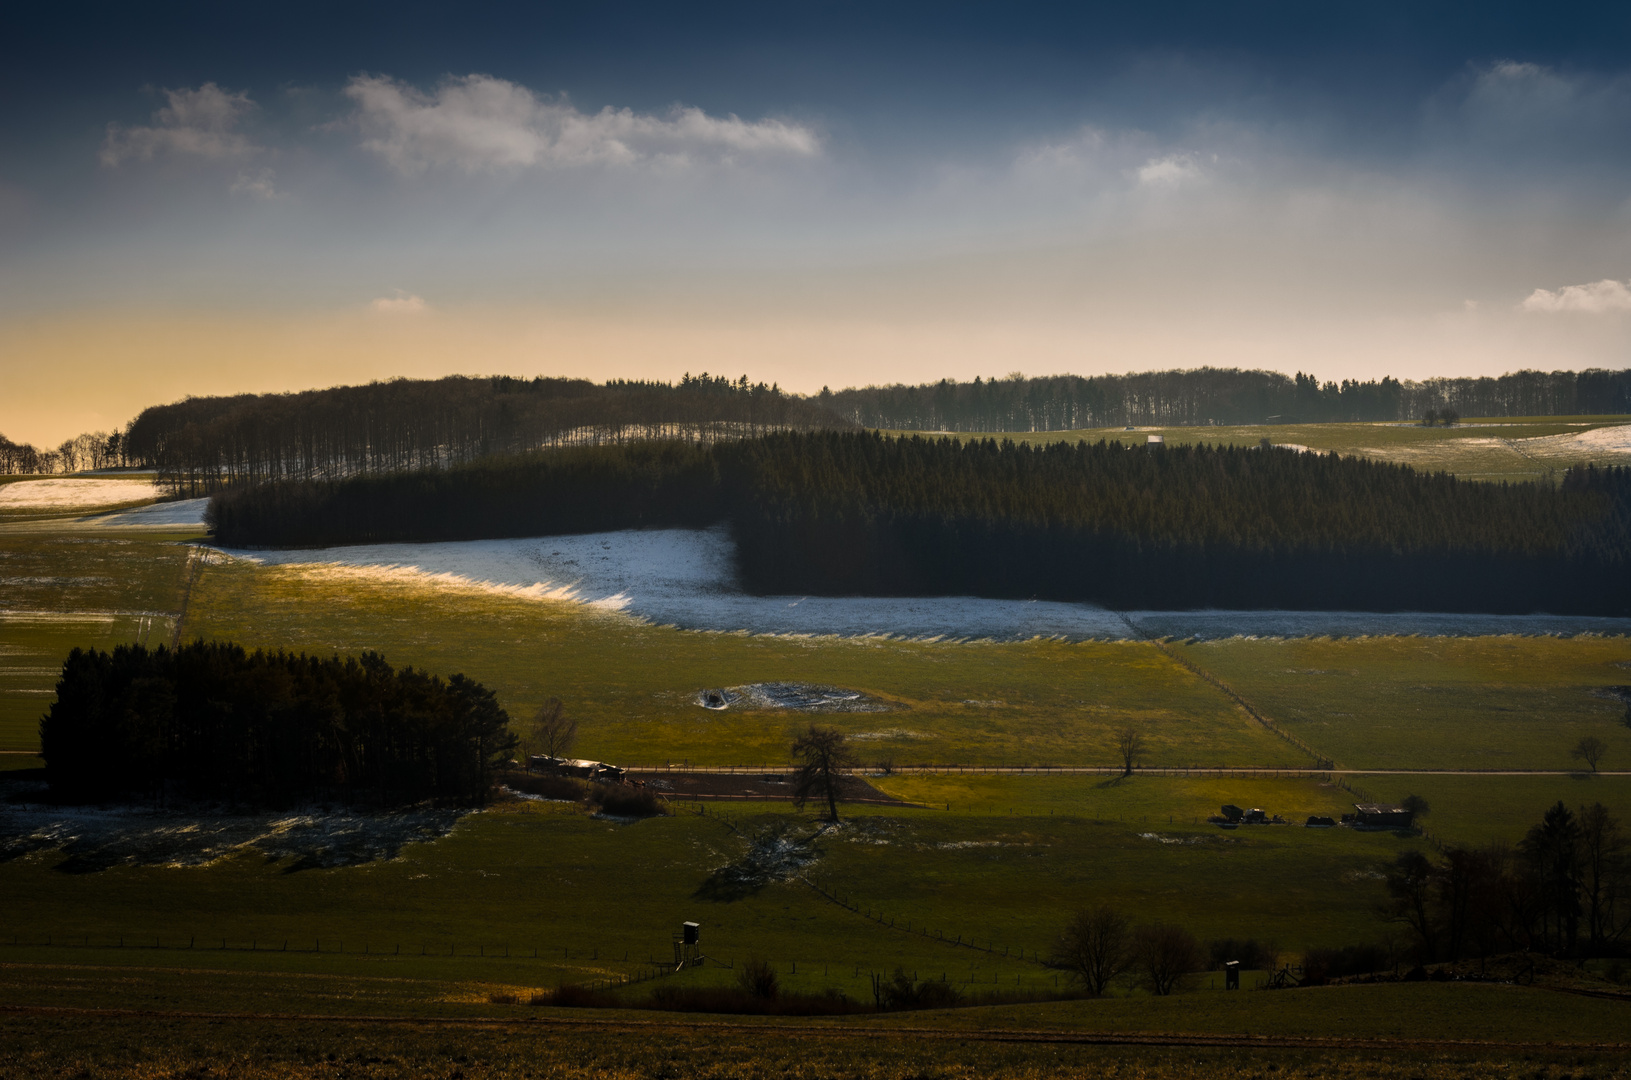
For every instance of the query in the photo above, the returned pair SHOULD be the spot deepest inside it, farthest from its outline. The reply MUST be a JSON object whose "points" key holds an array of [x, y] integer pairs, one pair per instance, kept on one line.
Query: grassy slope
{"points": [[1435, 703], [547, 876], [633, 686], [62, 589]]}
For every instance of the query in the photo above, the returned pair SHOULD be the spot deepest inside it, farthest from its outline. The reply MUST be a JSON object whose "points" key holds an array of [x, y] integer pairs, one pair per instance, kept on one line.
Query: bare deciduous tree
{"points": [[1605, 880], [1590, 750], [1166, 955], [822, 758], [552, 732], [1130, 745], [1096, 948]]}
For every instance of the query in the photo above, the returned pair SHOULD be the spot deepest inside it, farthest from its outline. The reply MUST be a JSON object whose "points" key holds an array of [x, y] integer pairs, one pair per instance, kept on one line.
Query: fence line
{"points": [[318, 947], [911, 926]]}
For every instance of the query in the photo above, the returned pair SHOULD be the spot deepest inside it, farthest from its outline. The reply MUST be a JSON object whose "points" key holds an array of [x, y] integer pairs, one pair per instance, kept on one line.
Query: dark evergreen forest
{"points": [[201, 445], [833, 513], [211, 721], [1219, 396]]}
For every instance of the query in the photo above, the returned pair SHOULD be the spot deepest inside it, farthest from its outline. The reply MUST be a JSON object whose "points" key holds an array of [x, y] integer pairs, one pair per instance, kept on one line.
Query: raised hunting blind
{"points": [[688, 946]]}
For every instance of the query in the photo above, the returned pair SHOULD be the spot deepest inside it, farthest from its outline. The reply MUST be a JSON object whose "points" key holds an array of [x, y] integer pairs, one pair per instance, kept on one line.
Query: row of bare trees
{"points": [[1565, 889], [92, 450], [1220, 396], [201, 445]]}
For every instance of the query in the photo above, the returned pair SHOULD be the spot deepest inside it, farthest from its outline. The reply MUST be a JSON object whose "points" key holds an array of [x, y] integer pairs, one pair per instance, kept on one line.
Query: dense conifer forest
{"points": [[832, 513], [1219, 396], [212, 721]]}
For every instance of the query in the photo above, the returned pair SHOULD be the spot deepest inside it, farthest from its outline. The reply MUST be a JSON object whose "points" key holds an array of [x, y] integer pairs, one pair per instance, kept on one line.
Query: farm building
{"points": [[1382, 816], [579, 767]]}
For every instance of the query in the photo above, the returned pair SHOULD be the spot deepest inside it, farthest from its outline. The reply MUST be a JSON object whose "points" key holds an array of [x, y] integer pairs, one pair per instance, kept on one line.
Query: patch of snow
{"points": [[886, 733], [1615, 440], [686, 578], [183, 513], [96, 838], [1299, 447], [799, 697], [69, 493]]}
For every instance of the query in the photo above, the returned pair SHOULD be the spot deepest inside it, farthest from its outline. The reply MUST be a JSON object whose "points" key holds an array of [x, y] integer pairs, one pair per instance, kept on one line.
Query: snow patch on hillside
{"points": [[71, 493], [686, 578]]}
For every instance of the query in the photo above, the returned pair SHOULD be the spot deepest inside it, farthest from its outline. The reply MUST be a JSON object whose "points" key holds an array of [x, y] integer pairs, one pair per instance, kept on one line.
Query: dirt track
{"points": [[828, 1030]]}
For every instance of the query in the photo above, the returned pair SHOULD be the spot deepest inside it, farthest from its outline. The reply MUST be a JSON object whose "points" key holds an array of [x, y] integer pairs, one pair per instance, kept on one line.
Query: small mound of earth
{"points": [[798, 697]]}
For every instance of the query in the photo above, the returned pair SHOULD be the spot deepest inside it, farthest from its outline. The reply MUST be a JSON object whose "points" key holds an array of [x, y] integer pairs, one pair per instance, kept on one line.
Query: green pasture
{"points": [[1435, 702], [598, 898], [1496, 448], [62, 589], [633, 686]]}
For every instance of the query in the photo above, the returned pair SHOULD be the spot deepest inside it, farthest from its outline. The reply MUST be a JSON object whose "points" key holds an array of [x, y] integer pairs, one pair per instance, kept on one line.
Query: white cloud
{"points": [[1168, 171], [260, 184], [1595, 299], [478, 122], [400, 304], [195, 123]]}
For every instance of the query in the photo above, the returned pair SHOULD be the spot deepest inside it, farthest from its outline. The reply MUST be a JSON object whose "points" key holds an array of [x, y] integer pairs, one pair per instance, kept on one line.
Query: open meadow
{"points": [[968, 880], [1507, 448]]}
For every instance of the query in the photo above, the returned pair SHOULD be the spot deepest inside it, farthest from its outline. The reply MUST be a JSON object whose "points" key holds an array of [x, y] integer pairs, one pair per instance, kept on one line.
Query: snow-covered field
{"points": [[685, 578], [71, 493], [167, 515]]}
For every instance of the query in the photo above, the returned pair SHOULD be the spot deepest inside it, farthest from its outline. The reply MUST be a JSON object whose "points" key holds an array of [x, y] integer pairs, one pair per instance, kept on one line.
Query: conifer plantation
{"points": [[210, 720], [833, 513]]}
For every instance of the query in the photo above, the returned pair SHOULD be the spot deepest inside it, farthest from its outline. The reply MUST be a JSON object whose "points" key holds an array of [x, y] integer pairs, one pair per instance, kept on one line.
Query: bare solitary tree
{"points": [[1130, 744], [1095, 948], [1590, 750], [552, 732], [822, 758], [1166, 956]]}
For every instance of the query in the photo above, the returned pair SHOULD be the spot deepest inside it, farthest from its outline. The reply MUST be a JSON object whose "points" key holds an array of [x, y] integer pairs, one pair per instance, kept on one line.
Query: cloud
{"points": [[1169, 171], [196, 123], [259, 184], [400, 304], [1598, 298], [478, 122]]}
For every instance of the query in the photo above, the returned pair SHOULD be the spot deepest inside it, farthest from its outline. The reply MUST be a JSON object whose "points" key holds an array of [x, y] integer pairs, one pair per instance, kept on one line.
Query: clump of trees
{"points": [[211, 720], [1565, 889], [1101, 945], [832, 513]]}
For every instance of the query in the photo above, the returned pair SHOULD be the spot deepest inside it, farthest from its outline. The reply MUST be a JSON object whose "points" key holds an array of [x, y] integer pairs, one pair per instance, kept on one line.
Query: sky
{"points": [[207, 198]]}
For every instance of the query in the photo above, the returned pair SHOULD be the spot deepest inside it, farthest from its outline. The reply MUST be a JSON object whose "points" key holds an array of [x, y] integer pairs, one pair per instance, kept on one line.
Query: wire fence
{"points": [[326, 946]]}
